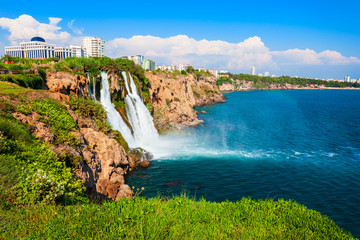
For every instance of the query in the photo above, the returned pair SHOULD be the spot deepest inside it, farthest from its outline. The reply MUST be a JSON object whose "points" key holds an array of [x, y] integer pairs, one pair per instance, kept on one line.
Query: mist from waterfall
{"points": [[144, 133], [113, 116]]}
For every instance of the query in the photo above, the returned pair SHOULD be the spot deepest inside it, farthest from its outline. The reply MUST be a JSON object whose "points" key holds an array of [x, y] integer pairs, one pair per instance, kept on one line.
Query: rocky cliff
{"points": [[246, 85], [174, 96]]}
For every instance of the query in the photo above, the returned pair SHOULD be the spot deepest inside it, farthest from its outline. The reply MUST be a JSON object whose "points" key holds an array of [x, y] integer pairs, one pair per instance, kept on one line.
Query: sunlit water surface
{"points": [[293, 144]]}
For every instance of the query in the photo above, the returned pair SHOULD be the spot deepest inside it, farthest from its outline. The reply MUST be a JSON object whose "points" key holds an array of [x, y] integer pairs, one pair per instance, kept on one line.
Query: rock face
{"points": [[107, 162], [246, 85], [174, 97], [66, 83], [101, 162]]}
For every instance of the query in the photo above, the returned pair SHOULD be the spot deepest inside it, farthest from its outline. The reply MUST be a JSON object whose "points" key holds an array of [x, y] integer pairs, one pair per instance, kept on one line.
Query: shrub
{"points": [[197, 95], [24, 109]]}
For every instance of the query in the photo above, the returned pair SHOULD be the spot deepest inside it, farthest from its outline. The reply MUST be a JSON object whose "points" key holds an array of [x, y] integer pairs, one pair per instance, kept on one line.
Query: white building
{"points": [[173, 68], [182, 66], [95, 47], [77, 51], [253, 70], [36, 48], [214, 72], [62, 52], [148, 64], [267, 74], [347, 79], [137, 59]]}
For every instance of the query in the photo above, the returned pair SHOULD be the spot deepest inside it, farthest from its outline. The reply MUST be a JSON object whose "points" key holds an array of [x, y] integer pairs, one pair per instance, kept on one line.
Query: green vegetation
{"points": [[88, 108], [174, 218], [197, 95], [60, 121], [30, 172], [29, 81], [264, 82], [11, 89], [222, 80]]}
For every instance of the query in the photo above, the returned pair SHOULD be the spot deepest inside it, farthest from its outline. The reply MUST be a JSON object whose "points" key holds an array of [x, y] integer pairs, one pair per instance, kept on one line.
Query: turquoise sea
{"points": [[302, 145]]}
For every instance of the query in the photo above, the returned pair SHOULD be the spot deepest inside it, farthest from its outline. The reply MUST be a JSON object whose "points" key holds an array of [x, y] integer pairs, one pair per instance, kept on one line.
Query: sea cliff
{"points": [[174, 97]]}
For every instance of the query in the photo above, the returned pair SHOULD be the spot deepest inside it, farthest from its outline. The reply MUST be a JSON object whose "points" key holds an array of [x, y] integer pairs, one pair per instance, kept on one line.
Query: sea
{"points": [[302, 145]]}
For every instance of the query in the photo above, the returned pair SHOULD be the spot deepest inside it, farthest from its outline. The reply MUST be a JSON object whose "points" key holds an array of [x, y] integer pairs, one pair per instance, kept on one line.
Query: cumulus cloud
{"points": [[310, 57], [181, 48], [25, 27], [221, 54]]}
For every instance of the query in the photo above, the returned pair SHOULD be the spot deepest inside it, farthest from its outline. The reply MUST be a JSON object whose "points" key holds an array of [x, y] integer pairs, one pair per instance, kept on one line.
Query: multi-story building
{"points": [[267, 74], [347, 79], [77, 51], [137, 59], [148, 64], [36, 48], [253, 70], [214, 72], [63, 52], [95, 47], [182, 66]]}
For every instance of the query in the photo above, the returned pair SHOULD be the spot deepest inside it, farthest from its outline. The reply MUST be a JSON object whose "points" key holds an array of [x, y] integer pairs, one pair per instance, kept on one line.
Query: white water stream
{"points": [[141, 121], [113, 116]]}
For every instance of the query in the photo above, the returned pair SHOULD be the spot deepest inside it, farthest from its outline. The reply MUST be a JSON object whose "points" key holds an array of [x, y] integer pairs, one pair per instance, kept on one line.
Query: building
{"points": [[164, 68], [266, 74], [347, 79], [148, 64], [95, 47], [62, 52], [77, 51], [173, 68], [253, 70], [214, 72], [137, 59], [36, 48], [182, 67]]}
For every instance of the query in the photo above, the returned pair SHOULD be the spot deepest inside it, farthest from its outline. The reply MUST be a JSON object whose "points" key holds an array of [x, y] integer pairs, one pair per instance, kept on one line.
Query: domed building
{"points": [[39, 49]]}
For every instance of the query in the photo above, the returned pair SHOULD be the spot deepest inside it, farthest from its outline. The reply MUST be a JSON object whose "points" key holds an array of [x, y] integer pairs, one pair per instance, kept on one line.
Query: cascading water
{"points": [[113, 116], [145, 133], [94, 88], [92, 93]]}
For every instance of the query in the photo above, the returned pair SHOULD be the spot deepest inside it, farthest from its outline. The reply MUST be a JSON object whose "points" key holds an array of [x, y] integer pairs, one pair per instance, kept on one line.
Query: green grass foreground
{"points": [[175, 218]]}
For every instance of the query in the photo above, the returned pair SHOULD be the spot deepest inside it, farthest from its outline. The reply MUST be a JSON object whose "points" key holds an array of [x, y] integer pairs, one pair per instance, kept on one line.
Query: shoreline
{"points": [[279, 89]]}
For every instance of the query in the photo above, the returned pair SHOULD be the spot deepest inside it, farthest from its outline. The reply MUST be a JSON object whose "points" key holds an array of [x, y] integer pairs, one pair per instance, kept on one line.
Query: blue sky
{"points": [[309, 38]]}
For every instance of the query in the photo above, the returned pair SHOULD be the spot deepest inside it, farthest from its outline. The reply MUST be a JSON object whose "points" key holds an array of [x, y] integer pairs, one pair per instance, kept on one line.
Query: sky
{"points": [[317, 39]]}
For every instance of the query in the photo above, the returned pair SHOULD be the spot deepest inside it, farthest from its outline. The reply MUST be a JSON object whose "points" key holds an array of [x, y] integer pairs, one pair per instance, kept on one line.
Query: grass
{"points": [[7, 88], [175, 218]]}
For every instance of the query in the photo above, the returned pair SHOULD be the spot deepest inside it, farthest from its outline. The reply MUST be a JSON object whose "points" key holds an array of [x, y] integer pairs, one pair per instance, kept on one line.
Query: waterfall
{"points": [[94, 88], [113, 116], [92, 93], [145, 133]]}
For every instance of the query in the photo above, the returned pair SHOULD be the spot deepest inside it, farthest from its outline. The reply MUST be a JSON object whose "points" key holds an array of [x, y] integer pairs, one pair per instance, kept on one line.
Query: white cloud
{"points": [[221, 54], [76, 30], [25, 27], [181, 48], [310, 57]]}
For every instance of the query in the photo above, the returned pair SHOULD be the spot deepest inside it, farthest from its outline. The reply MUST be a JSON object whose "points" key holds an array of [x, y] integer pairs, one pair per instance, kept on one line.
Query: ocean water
{"points": [[302, 145]]}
